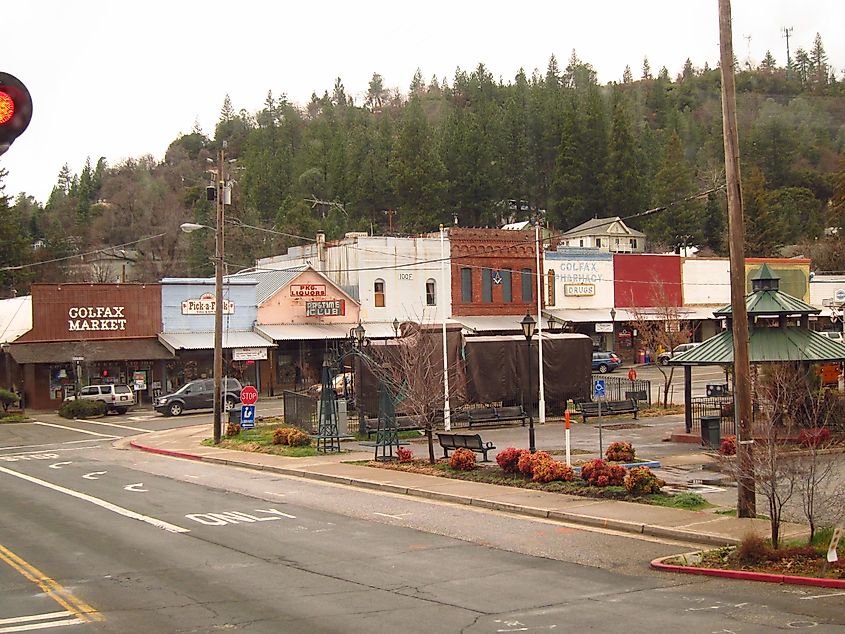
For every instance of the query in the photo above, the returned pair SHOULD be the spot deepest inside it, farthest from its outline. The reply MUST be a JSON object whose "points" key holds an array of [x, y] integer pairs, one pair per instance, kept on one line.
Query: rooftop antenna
{"points": [[787, 31], [747, 51]]}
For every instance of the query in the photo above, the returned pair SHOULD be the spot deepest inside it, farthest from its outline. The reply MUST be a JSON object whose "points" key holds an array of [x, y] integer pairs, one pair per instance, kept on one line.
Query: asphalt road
{"points": [[701, 376], [121, 541]]}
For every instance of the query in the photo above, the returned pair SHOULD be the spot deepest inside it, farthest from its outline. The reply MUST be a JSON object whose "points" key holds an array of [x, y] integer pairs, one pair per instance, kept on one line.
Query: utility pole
{"points": [[218, 296], [787, 31], [746, 503]]}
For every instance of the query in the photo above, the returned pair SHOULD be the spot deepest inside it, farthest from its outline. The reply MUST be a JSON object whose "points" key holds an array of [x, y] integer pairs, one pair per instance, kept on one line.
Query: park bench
{"points": [[403, 423], [496, 415], [464, 441], [589, 409]]}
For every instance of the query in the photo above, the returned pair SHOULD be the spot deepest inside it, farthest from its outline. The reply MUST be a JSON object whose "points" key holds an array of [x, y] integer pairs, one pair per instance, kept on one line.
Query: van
{"points": [[198, 394], [116, 398]]}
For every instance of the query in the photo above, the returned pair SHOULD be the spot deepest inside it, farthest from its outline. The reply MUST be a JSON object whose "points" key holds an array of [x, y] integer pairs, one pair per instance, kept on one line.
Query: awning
{"points": [[581, 315], [205, 340], [100, 350], [493, 323], [303, 332], [15, 317]]}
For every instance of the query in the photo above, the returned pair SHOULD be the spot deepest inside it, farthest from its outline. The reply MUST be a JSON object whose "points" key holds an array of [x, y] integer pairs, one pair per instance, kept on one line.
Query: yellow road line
{"points": [[59, 594]]}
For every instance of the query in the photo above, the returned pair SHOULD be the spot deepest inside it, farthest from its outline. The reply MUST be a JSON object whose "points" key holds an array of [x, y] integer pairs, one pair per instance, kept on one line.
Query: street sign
{"points": [[248, 417], [632, 374], [598, 388], [249, 395]]}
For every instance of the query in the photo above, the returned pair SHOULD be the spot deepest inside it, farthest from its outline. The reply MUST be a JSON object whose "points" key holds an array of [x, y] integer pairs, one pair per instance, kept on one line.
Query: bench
{"points": [[589, 409], [464, 441], [496, 415], [403, 423]]}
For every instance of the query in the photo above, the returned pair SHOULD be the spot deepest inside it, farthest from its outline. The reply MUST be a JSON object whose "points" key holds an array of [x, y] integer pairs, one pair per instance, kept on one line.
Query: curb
{"points": [[678, 534], [746, 575]]}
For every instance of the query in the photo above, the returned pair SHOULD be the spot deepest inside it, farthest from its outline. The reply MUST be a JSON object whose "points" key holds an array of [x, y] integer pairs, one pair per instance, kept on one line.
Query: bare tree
{"points": [[661, 327], [412, 368]]}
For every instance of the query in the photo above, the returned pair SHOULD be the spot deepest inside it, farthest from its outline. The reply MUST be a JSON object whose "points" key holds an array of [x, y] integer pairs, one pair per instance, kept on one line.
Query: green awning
{"points": [[767, 345]]}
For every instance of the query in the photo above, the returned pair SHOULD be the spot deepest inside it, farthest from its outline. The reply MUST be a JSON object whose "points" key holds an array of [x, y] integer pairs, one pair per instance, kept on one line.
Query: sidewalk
{"points": [[694, 527]]}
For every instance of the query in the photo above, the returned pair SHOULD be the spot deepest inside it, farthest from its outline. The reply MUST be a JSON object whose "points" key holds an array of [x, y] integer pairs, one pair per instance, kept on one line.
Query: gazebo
{"points": [[778, 332]]}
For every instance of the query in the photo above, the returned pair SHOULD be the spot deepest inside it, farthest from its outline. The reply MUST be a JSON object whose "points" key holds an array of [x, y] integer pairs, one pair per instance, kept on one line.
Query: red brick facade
{"points": [[498, 250]]}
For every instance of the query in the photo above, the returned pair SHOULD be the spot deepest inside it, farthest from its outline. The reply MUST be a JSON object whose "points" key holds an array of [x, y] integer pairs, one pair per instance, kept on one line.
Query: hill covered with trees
{"points": [[474, 150]]}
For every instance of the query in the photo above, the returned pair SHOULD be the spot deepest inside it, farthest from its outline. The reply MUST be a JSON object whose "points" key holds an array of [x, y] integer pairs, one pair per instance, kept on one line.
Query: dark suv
{"points": [[198, 395]]}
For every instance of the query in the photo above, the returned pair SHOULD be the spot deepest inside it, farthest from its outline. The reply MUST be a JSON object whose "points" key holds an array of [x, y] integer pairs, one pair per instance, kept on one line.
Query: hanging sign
{"points": [[604, 327], [249, 354]]}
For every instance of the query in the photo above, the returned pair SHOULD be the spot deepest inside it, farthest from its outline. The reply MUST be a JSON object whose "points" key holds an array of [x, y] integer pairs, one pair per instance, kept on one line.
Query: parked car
{"points": [[664, 357], [198, 394], [116, 398], [605, 362], [345, 381]]}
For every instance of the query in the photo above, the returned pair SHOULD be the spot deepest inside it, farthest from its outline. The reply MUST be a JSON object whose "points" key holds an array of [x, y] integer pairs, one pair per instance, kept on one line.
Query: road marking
{"points": [[135, 487], [396, 517], [93, 475], [58, 465], [81, 431], [37, 626], [50, 444], [824, 596], [29, 456], [237, 517], [99, 422], [281, 495], [114, 508], [81, 610]]}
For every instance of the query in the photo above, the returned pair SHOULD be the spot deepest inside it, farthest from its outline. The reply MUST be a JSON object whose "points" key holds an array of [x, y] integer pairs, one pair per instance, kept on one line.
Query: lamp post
{"points": [[396, 325], [541, 404], [357, 338], [528, 325], [613, 330], [447, 413]]}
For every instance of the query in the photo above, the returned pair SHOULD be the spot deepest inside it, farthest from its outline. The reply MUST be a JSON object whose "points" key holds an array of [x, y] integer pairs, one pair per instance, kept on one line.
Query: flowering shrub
{"points": [[298, 438], [600, 474], [527, 461], [462, 460], [728, 446], [280, 435], [549, 470], [814, 436], [404, 454], [620, 452], [233, 429], [641, 480], [508, 459]]}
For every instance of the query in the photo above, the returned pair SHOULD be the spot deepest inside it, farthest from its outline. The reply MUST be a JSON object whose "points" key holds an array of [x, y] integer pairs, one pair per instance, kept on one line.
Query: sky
{"points": [[122, 80]]}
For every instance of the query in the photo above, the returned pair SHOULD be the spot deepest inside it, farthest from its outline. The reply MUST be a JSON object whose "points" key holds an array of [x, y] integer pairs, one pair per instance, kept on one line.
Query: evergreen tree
{"points": [[763, 235], [681, 221], [624, 186], [714, 225]]}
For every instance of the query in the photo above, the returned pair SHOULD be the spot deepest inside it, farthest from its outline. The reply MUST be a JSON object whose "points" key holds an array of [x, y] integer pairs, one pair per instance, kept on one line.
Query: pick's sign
{"points": [[205, 304]]}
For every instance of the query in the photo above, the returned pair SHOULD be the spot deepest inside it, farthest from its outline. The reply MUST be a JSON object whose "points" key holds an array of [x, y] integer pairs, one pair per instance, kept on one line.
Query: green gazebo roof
{"points": [[767, 345], [766, 299]]}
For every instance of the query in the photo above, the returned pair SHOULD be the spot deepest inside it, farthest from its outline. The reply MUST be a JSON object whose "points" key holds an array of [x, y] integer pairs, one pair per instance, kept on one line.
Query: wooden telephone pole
{"points": [[746, 503]]}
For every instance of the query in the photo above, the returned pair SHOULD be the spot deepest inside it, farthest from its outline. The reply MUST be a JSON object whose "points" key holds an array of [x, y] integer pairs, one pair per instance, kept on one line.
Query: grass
{"points": [[13, 417], [260, 440]]}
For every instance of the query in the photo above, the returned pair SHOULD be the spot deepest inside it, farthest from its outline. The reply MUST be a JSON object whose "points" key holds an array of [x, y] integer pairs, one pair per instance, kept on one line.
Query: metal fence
{"points": [[721, 406], [618, 389], [303, 411]]}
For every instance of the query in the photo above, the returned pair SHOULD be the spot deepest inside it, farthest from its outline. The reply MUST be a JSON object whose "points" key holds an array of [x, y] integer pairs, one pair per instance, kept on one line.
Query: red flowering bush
{"points": [[814, 437], [549, 470], [600, 474], [527, 461], [640, 480], [462, 460], [508, 459], [728, 446], [620, 452], [404, 454]]}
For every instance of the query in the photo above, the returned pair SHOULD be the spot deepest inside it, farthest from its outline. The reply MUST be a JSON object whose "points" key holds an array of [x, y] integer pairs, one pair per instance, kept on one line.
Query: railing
{"points": [[618, 389], [301, 411], [721, 406]]}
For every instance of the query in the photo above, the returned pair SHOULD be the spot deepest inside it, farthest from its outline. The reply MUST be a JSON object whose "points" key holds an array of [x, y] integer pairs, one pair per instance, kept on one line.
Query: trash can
{"points": [[235, 415], [711, 431]]}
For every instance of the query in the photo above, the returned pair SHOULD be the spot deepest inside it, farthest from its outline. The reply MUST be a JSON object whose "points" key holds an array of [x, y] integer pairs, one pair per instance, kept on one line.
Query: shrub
{"points": [[599, 473], [508, 459], [298, 438], [728, 446], [233, 429], [8, 398], [548, 470], [752, 549], [640, 480], [280, 435], [814, 436], [462, 460], [404, 455], [527, 460], [620, 452], [79, 408]]}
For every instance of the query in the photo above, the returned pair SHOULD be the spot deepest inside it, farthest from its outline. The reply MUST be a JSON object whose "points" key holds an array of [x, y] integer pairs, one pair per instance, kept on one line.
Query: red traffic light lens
{"points": [[7, 108]]}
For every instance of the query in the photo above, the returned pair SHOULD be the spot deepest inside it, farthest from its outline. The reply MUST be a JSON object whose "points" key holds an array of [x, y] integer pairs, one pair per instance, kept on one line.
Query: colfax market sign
{"points": [[205, 306], [96, 318]]}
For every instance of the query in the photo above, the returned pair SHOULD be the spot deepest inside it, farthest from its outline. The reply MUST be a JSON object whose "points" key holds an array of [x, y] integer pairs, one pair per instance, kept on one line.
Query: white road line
{"points": [[34, 617], [824, 596], [395, 517], [39, 626], [51, 444], [99, 422], [114, 508], [16, 624], [81, 431]]}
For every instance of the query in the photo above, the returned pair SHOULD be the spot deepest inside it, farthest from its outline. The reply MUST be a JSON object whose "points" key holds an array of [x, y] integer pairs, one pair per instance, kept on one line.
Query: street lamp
{"points": [[528, 325], [396, 325], [357, 341], [613, 329]]}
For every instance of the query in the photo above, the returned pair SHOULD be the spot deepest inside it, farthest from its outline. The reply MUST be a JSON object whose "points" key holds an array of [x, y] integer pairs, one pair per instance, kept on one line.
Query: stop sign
{"points": [[249, 395]]}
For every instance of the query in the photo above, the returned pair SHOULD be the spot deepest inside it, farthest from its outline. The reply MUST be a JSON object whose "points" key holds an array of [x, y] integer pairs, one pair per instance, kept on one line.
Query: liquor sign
{"points": [[249, 354], [307, 290], [204, 305], [579, 290], [328, 308]]}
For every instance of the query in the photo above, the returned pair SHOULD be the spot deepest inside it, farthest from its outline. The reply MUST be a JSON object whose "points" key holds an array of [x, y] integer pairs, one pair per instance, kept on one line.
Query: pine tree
{"points": [[624, 186]]}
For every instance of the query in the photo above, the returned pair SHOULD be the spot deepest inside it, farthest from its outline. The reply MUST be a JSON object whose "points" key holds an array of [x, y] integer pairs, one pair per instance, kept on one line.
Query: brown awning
{"points": [[147, 349]]}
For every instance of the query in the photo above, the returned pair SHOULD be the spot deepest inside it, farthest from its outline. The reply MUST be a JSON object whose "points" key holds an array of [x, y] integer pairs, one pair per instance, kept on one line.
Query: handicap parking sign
{"points": [[598, 388], [248, 417]]}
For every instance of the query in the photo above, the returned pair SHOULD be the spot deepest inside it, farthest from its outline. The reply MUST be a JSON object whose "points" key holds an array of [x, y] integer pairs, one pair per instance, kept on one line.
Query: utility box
{"points": [[711, 434]]}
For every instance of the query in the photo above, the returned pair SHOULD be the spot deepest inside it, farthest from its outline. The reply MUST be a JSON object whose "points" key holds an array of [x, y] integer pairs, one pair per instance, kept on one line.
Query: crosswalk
{"points": [[33, 622]]}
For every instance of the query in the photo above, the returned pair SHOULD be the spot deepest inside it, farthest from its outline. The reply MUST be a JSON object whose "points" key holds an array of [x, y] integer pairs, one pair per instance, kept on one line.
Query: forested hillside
{"points": [[475, 150]]}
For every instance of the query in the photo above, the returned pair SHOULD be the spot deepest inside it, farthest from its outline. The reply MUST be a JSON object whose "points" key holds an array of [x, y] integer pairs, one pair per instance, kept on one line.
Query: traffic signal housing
{"points": [[15, 109]]}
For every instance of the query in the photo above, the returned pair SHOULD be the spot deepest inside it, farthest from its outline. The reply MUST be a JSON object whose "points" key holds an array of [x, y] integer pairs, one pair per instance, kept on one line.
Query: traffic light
{"points": [[15, 109]]}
